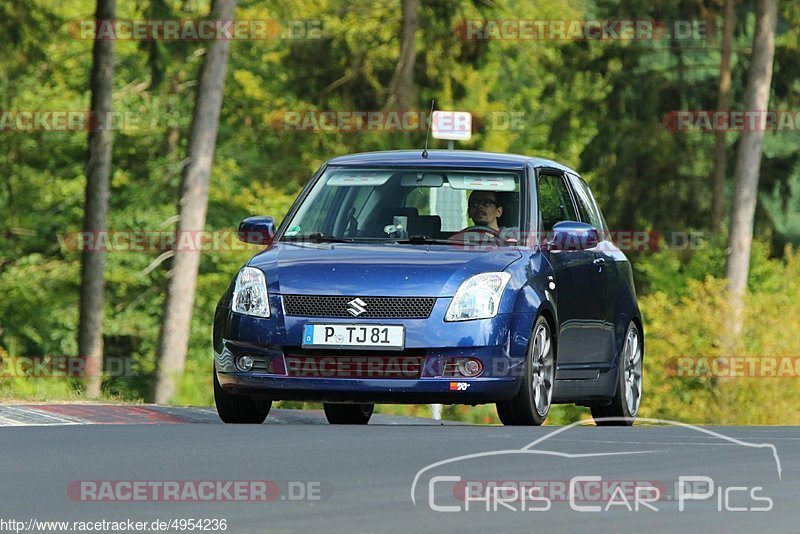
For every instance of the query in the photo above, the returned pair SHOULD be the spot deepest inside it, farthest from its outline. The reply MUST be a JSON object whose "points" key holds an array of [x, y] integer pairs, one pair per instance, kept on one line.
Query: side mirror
{"points": [[573, 235], [257, 230]]}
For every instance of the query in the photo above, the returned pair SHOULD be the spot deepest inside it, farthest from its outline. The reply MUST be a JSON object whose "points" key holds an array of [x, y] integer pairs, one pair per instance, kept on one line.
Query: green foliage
{"points": [[783, 208], [595, 105], [692, 325], [668, 270]]}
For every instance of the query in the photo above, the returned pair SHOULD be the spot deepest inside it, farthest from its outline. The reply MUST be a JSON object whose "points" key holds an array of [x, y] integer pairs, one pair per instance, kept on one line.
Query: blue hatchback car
{"points": [[453, 277]]}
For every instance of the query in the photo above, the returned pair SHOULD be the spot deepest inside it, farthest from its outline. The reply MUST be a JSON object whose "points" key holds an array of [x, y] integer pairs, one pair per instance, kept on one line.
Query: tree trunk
{"points": [[98, 169], [401, 88], [720, 161], [748, 161], [175, 325]]}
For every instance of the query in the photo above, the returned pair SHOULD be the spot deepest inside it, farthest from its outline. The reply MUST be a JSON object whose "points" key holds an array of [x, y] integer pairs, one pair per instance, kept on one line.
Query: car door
{"points": [[604, 266], [579, 287]]}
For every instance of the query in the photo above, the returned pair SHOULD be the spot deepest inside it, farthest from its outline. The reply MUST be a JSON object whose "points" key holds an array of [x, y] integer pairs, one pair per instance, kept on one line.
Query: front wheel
{"points": [[239, 409], [532, 403], [348, 414], [625, 405]]}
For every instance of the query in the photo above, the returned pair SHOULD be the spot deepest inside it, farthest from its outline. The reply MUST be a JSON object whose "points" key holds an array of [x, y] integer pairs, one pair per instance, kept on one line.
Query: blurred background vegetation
{"points": [[597, 106]]}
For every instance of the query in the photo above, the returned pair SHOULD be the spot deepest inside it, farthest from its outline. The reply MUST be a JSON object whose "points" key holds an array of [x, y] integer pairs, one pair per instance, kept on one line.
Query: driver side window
{"points": [[555, 203]]}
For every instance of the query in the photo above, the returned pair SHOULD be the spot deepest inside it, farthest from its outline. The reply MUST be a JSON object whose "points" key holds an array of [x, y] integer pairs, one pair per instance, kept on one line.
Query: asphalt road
{"points": [[59, 462]]}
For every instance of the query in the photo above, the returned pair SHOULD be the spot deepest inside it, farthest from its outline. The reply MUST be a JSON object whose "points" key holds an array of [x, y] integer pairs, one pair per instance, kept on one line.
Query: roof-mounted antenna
{"points": [[428, 131]]}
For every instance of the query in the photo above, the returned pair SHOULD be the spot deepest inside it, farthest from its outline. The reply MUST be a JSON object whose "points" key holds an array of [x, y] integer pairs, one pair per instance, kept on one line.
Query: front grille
{"points": [[375, 307]]}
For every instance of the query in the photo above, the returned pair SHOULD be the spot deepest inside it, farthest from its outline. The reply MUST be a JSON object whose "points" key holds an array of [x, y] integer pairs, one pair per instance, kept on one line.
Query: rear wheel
{"points": [[532, 403], [625, 404], [239, 409], [348, 414]]}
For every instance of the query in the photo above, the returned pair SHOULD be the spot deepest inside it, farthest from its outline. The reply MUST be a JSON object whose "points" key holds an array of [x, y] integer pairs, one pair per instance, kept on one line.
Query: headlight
{"points": [[478, 297], [250, 293]]}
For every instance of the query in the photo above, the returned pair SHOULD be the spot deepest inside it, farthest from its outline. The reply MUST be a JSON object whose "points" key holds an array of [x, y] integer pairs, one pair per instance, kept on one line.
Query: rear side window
{"points": [[555, 204], [448, 203], [586, 204]]}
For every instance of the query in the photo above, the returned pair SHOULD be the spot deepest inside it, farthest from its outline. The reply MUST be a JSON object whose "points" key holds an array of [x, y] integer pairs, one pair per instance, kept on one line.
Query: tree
{"points": [[401, 88], [175, 324], [98, 169], [748, 161], [720, 159]]}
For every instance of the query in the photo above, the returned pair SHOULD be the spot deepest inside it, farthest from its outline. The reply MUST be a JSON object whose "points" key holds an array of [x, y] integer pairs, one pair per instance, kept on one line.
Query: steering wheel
{"points": [[468, 234]]}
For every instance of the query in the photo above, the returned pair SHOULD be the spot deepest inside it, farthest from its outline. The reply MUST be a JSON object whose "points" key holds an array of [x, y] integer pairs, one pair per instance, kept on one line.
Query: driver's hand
{"points": [[477, 235], [509, 234]]}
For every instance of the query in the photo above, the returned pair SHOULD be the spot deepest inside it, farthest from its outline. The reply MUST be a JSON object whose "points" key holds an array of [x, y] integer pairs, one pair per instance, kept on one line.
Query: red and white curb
{"points": [[62, 414], [100, 414]]}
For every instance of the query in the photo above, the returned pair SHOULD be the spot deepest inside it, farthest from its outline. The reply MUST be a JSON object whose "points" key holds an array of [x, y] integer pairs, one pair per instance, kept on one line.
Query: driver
{"points": [[484, 210]]}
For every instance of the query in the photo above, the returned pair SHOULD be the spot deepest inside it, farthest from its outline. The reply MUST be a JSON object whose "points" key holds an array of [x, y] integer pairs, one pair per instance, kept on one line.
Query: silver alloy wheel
{"points": [[543, 370], [632, 357]]}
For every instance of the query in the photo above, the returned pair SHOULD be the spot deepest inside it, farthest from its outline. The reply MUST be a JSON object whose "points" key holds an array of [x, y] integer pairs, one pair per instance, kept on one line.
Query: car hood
{"points": [[377, 269]]}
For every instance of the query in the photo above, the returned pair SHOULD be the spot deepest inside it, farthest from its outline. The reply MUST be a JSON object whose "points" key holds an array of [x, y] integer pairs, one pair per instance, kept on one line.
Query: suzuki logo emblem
{"points": [[356, 307]]}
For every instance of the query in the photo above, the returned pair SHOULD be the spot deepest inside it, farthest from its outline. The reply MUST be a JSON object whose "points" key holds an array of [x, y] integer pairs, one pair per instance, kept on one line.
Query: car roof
{"points": [[443, 158]]}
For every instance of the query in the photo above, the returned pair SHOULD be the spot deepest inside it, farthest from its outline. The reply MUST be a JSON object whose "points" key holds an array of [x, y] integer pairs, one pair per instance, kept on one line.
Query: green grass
{"points": [[21, 389]]}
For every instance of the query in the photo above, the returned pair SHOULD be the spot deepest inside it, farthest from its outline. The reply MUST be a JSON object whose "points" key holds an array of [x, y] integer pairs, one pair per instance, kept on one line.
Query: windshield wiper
{"points": [[316, 237], [425, 239]]}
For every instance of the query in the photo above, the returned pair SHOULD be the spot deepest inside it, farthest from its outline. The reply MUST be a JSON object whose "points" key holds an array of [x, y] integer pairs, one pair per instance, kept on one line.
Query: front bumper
{"points": [[390, 391], [499, 343]]}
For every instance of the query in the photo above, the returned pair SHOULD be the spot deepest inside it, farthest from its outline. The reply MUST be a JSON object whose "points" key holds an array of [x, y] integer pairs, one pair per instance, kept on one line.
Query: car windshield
{"points": [[430, 206]]}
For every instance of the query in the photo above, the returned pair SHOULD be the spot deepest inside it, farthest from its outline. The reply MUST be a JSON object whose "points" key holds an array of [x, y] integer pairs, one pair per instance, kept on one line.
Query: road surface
{"points": [[80, 463]]}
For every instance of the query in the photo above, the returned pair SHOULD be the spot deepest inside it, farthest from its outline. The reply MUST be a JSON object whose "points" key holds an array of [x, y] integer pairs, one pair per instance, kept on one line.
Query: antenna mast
{"points": [[428, 131]]}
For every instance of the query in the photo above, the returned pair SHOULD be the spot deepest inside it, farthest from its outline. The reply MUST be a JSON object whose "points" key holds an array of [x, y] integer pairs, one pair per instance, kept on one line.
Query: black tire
{"points": [[348, 414], [526, 409], [239, 409], [621, 411]]}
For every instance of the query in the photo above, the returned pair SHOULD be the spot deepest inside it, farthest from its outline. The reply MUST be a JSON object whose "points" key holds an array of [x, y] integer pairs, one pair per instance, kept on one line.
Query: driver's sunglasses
{"points": [[483, 203]]}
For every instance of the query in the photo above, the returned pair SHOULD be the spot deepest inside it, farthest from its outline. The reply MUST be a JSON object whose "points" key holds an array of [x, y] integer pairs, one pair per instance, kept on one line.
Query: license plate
{"points": [[368, 336]]}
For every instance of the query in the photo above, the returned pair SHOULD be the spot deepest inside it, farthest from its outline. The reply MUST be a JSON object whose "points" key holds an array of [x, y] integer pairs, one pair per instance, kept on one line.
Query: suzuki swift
{"points": [[453, 277]]}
